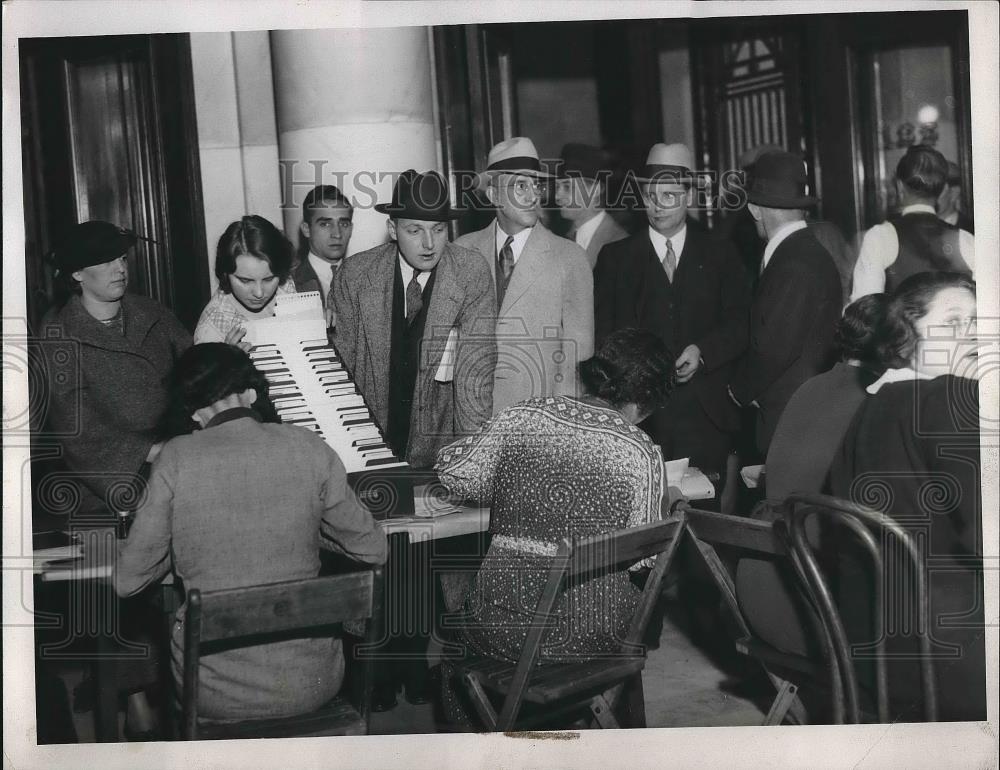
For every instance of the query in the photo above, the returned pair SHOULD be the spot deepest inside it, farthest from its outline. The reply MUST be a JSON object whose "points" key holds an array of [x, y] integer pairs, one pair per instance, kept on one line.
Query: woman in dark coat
{"points": [[553, 467], [912, 452], [805, 442]]}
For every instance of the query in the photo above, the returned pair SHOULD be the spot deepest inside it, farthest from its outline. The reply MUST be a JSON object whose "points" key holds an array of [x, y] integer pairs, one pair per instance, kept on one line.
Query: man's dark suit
{"points": [[305, 277], [795, 309], [706, 305]]}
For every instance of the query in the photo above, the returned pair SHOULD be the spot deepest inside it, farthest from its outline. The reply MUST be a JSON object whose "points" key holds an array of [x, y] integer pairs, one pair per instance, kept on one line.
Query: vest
{"points": [[926, 244], [404, 363]]}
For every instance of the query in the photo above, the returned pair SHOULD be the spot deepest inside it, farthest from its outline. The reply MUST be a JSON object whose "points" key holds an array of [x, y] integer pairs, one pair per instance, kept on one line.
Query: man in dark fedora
{"points": [[543, 283], [415, 329], [581, 194], [688, 288], [797, 301], [414, 321]]}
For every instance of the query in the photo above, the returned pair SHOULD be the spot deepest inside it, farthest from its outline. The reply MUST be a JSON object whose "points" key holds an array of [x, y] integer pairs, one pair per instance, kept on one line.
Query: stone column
{"points": [[354, 108]]}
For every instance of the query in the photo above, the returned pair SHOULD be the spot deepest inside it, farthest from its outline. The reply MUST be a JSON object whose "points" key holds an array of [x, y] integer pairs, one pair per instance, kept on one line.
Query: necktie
{"points": [[669, 262], [414, 297], [506, 263]]}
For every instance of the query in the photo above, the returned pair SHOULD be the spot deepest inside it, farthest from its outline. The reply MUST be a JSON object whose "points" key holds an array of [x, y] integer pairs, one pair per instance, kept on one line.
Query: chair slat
{"points": [[576, 560], [758, 537], [284, 606], [295, 605], [622, 548]]}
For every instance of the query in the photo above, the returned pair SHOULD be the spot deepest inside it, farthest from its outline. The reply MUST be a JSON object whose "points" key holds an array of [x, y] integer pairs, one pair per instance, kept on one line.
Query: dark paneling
{"points": [[109, 133]]}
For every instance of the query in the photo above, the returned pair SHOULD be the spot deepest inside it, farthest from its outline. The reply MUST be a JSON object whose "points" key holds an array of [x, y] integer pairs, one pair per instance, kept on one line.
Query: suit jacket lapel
{"points": [[529, 266], [376, 318], [445, 300], [485, 244], [647, 268], [690, 257]]}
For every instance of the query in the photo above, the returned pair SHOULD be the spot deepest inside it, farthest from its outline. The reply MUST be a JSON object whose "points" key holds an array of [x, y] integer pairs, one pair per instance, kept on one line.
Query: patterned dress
{"points": [[550, 468]]}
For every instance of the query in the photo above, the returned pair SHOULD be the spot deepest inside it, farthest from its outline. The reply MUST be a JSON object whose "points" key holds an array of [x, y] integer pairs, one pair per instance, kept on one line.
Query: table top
{"points": [[434, 518]]}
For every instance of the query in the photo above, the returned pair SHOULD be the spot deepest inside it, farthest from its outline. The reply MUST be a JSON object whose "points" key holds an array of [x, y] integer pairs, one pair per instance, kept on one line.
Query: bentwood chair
{"points": [[739, 537], [225, 617], [881, 539], [595, 688]]}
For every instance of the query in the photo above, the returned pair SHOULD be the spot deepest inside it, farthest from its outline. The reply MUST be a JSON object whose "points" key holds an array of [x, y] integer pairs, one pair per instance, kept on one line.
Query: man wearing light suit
{"points": [[414, 323], [543, 283]]}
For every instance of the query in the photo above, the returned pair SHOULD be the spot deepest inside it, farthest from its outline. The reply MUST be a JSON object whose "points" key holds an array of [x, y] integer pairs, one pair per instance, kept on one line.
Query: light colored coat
{"points": [[546, 322], [463, 300]]}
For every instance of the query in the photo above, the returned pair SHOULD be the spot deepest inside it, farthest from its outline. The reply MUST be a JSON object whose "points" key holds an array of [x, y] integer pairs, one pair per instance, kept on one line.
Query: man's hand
{"points": [[331, 317], [235, 337], [687, 363]]}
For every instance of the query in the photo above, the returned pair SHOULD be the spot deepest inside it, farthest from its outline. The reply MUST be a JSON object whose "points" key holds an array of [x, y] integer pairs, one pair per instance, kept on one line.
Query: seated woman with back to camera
{"points": [[223, 511], [552, 467], [912, 451], [253, 263]]}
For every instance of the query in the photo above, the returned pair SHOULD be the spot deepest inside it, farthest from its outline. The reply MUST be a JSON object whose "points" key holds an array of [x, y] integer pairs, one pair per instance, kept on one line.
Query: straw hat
{"points": [[516, 155]]}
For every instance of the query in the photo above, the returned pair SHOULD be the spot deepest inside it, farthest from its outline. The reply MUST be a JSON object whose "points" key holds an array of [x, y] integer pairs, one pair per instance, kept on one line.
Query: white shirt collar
{"points": [[780, 234], [407, 271], [896, 375], [917, 208], [517, 246], [585, 232], [676, 242], [324, 272]]}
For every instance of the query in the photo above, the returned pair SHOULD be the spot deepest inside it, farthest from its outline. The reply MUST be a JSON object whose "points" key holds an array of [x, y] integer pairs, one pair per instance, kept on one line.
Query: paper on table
{"points": [[696, 486], [751, 475], [446, 370], [429, 506]]}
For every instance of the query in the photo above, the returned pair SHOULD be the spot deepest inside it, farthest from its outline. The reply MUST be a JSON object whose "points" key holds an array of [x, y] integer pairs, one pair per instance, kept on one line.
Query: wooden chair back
{"points": [[276, 608], [581, 559], [861, 522], [769, 540]]}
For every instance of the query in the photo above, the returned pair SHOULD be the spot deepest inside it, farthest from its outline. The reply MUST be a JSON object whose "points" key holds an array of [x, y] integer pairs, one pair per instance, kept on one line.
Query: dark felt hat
{"points": [[586, 161], [779, 181], [91, 243], [419, 196]]}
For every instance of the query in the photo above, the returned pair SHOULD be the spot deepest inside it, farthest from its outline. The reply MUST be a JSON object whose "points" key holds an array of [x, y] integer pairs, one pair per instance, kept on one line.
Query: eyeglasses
{"points": [[524, 186], [664, 199]]}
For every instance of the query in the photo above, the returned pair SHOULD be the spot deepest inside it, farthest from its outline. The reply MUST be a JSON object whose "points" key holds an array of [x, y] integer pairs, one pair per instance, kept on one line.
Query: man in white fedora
{"points": [[543, 283], [689, 288]]}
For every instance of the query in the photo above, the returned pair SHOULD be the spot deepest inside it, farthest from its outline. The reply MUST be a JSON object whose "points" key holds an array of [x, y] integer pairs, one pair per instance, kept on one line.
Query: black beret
{"points": [[92, 243]]}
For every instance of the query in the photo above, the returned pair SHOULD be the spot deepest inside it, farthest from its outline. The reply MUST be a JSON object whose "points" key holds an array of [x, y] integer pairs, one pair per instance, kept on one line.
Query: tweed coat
{"points": [[545, 325], [463, 301], [106, 394]]}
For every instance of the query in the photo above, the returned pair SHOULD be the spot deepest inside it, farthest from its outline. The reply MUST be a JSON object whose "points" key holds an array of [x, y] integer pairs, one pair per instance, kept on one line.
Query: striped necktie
{"points": [[669, 262]]}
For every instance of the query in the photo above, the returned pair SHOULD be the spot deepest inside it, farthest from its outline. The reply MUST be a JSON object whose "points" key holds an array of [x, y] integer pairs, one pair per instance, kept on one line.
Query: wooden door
{"points": [[109, 133]]}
